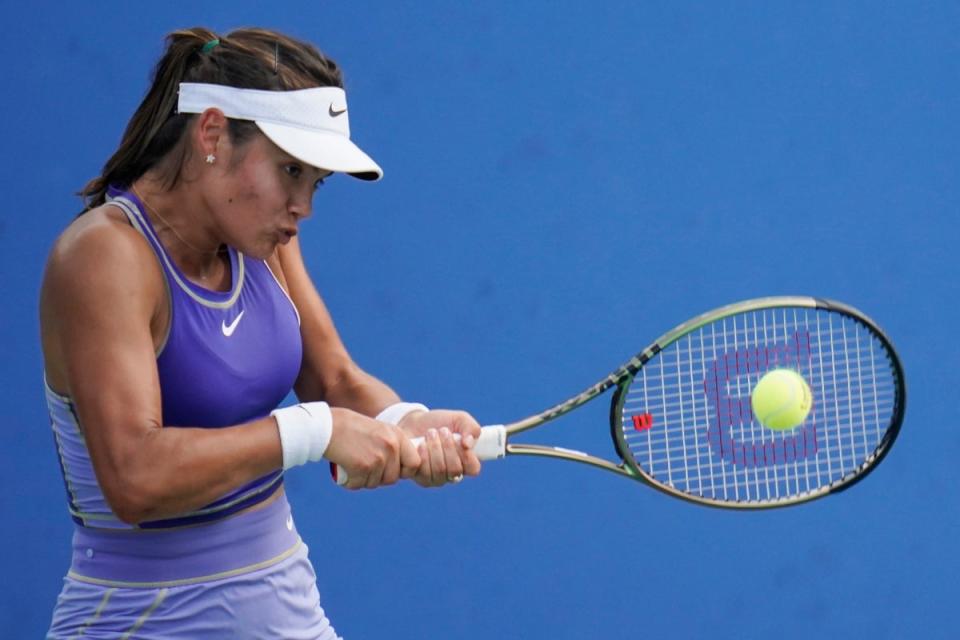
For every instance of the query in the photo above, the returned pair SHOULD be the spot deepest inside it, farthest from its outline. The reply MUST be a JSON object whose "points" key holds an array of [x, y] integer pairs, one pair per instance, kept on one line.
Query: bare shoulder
{"points": [[100, 247], [101, 276], [104, 225]]}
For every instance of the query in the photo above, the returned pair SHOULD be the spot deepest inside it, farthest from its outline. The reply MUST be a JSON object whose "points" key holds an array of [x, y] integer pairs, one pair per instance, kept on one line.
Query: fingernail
{"points": [[468, 441], [432, 434], [445, 432]]}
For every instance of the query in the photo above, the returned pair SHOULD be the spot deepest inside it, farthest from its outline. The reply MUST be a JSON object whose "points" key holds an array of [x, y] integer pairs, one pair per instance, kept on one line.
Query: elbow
{"points": [[128, 516], [326, 383], [129, 511], [133, 480], [132, 503]]}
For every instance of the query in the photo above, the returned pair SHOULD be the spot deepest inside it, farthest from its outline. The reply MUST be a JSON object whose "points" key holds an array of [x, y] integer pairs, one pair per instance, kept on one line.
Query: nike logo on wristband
{"points": [[228, 329]]}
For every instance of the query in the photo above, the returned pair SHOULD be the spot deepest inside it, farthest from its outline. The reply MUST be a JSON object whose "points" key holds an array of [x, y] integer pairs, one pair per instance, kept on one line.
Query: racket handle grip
{"points": [[491, 444]]}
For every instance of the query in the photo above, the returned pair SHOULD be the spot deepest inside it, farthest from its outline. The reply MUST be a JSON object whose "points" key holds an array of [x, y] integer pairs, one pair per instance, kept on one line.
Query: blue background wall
{"points": [[563, 183]]}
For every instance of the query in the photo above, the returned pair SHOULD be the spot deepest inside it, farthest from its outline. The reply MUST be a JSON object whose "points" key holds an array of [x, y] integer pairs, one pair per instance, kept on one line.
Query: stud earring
{"points": [[211, 158]]}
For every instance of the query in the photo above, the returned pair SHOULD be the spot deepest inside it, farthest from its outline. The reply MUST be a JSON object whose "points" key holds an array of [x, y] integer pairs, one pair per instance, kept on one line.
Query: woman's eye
{"points": [[293, 170]]}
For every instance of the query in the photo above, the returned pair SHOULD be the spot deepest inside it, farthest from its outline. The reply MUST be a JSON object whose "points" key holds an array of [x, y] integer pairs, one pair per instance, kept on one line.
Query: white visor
{"points": [[309, 124]]}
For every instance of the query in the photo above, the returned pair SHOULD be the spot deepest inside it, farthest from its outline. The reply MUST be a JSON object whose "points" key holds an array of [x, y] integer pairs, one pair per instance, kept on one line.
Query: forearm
{"points": [[175, 470], [350, 388], [328, 372]]}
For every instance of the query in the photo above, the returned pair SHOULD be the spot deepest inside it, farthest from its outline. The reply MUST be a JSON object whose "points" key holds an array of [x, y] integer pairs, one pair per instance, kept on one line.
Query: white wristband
{"points": [[397, 412], [305, 431]]}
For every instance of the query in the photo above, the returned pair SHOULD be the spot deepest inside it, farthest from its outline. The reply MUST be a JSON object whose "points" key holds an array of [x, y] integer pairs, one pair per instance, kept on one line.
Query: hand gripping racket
{"points": [[682, 421]]}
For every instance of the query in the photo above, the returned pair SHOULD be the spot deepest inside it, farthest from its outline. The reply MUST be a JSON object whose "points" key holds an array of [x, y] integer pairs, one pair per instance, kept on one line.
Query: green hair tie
{"points": [[207, 48]]}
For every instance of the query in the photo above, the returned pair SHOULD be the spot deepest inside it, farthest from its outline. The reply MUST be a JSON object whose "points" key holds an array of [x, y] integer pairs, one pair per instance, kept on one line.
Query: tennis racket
{"points": [[682, 421]]}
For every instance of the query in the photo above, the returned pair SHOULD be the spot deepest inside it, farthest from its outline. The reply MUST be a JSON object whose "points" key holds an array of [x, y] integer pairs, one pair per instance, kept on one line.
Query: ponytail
{"points": [[154, 127], [245, 58]]}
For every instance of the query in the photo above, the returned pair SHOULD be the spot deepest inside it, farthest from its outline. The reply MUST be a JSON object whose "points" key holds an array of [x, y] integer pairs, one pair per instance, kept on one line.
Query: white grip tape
{"points": [[491, 444], [305, 431]]}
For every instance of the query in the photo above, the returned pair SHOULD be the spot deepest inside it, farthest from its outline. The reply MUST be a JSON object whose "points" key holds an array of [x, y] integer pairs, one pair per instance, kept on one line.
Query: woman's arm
{"points": [[102, 289], [329, 373], [102, 294]]}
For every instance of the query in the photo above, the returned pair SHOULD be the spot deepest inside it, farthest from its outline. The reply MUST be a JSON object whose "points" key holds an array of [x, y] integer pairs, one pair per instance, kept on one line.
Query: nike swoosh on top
{"points": [[334, 113], [228, 329]]}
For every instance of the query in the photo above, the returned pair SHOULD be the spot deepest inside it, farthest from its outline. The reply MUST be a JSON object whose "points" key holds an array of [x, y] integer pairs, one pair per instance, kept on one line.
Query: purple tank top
{"points": [[229, 357]]}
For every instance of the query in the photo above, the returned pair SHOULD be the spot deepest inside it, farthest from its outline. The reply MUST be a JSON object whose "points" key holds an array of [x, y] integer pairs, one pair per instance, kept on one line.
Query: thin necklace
{"points": [[219, 250]]}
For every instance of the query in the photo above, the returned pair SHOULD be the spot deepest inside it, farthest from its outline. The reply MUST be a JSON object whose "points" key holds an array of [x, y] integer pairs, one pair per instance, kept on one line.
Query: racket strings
{"points": [[695, 430]]}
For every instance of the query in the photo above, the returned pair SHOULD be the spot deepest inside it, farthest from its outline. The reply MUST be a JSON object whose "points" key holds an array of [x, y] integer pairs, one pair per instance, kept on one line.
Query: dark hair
{"points": [[245, 58]]}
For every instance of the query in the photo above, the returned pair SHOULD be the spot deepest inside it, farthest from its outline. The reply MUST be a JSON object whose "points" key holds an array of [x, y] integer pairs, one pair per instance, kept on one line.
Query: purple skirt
{"points": [[245, 577]]}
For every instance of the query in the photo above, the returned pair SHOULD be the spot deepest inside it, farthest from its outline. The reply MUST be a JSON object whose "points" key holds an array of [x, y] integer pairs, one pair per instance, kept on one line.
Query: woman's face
{"points": [[260, 194]]}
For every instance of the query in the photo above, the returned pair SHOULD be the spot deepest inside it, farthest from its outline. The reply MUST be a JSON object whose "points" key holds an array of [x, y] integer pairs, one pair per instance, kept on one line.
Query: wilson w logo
{"points": [[643, 421]]}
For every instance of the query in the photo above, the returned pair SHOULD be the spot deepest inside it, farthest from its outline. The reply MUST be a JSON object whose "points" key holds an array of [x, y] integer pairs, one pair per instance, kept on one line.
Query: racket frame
{"points": [[623, 376]]}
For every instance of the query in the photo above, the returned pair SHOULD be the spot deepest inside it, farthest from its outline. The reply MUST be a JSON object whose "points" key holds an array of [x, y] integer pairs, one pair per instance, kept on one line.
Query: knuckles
{"points": [[381, 464]]}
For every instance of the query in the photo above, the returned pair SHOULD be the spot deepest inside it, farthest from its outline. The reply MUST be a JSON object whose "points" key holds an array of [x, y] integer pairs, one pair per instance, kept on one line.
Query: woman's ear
{"points": [[210, 136]]}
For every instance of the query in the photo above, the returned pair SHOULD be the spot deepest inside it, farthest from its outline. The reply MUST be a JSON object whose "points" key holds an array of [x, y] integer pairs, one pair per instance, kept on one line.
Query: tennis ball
{"points": [[781, 400]]}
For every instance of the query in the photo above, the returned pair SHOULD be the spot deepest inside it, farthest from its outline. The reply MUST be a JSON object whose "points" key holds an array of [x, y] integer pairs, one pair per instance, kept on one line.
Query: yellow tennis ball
{"points": [[781, 400]]}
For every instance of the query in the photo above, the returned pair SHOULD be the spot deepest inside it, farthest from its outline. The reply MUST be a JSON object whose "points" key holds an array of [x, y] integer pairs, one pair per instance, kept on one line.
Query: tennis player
{"points": [[176, 314]]}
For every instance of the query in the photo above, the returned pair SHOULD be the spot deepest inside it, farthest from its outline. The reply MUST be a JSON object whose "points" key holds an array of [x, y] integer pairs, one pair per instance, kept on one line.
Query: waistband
{"points": [[248, 541]]}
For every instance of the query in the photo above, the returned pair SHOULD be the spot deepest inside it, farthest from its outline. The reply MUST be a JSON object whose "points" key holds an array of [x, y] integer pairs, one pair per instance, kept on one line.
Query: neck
{"points": [[183, 227]]}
